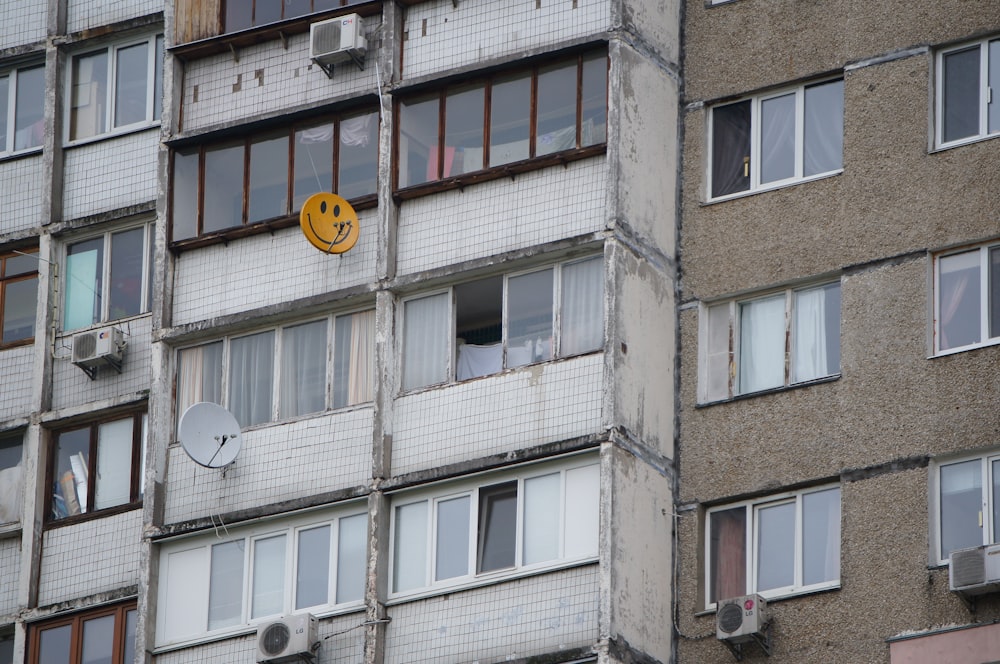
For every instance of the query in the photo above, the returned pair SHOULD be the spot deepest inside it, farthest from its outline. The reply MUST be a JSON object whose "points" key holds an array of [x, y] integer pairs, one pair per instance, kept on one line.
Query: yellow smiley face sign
{"points": [[329, 223]]}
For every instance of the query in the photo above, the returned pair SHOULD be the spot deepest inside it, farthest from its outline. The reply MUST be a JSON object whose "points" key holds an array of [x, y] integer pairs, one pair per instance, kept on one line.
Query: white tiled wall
{"points": [[510, 411], [506, 621], [21, 192], [84, 14], [10, 574], [22, 22], [96, 556], [72, 387], [110, 174], [443, 35], [15, 395], [267, 269], [493, 217], [269, 78], [276, 463]]}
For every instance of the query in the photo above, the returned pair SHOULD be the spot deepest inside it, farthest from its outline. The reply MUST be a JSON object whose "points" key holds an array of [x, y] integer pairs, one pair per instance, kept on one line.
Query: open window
{"points": [[11, 477]]}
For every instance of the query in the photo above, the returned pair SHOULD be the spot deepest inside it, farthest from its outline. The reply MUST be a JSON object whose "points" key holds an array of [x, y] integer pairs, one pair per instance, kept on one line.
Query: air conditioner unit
{"points": [[337, 40], [975, 571], [100, 347], [741, 619], [287, 639]]}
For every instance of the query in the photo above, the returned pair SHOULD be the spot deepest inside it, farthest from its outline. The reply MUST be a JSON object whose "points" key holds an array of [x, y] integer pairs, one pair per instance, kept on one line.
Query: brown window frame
{"points": [[245, 141], [6, 279], [135, 496], [487, 172], [76, 621]]}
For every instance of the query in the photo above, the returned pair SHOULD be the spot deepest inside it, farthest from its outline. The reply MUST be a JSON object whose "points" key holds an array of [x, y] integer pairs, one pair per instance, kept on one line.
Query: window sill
{"points": [[507, 170], [965, 349], [21, 154], [8, 530], [773, 390], [51, 524], [117, 322], [784, 184], [487, 579], [835, 586], [942, 147], [117, 133]]}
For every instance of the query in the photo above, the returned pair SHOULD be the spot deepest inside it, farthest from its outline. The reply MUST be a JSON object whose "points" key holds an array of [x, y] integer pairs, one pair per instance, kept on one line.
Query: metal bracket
{"points": [[763, 641], [328, 69]]}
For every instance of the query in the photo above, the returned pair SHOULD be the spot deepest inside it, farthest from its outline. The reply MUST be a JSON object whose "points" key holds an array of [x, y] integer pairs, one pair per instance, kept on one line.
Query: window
{"points": [[261, 386], [11, 479], [115, 88], [775, 340], [505, 118], [316, 562], [967, 75], [105, 635], [778, 139], [775, 546], [268, 175], [533, 518], [967, 299], [967, 509], [22, 105], [244, 14], [18, 297], [108, 277], [97, 467], [480, 327], [7, 645]]}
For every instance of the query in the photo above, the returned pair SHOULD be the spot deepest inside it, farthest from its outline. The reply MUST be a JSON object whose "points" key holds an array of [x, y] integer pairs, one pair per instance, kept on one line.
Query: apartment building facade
{"points": [[456, 436], [838, 394]]}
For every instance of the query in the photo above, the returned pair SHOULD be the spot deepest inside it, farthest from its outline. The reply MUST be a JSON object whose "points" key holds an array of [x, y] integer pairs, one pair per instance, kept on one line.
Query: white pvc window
{"points": [[314, 562], [967, 299], [22, 106], [284, 372], [784, 338], [115, 88], [776, 546], [523, 520], [967, 77], [965, 509], [774, 140], [481, 327]]}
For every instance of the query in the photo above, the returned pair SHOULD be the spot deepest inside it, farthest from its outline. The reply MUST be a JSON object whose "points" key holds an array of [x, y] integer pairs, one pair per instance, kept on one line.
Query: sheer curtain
{"points": [[426, 332], [809, 358], [777, 138], [582, 307], [762, 344], [823, 150], [821, 536], [353, 358], [199, 376], [959, 309], [251, 372], [303, 369]]}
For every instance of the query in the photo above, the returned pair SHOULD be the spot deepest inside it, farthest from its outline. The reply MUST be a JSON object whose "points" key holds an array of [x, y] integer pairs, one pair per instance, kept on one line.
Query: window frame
{"points": [[107, 285], [751, 525], [245, 141], [754, 165], [985, 303], [488, 172], [246, 536], [989, 502], [32, 253], [140, 435], [9, 105], [76, 622], [472, 488], [277, 367], [9, 440], [983, 90], [155, 45], [734, 354], [558, 330]]}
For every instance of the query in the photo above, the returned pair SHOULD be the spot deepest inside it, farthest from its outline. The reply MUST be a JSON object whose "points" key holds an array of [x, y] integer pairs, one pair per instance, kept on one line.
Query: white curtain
{"points": [[762, 344], [426, 332], [362, 357], [199, 376], [777, 138], [582, 307], [303, 369], [114, 464], [251, 373], [824, 128], [809, 359]]}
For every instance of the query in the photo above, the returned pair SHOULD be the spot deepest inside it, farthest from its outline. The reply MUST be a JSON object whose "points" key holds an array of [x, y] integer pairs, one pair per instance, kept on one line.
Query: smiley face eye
{"points": [[336, 210], [322, 207]]}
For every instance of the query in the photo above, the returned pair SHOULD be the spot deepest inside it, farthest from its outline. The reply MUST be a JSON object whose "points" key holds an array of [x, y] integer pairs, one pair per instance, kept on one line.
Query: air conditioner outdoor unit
{"points": [[975, 571], [101, 347], [337, 40], [288, 639], [741, 619]]}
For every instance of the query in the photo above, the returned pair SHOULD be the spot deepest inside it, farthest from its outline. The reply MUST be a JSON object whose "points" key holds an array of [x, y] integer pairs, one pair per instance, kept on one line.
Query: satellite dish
{"points": [[210, 435]]}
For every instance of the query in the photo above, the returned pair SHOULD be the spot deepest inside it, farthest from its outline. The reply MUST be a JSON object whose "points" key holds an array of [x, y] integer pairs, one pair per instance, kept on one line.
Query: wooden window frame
{"points": [[119, 611], [5, 280], [532, 162], [135, 480]]}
